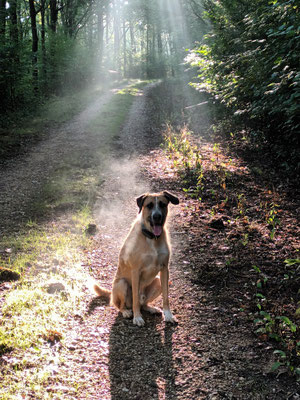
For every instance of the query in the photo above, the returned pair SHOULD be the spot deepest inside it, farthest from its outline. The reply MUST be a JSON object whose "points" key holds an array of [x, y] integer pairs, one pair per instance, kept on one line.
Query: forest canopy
{"points": [[244, 54]]}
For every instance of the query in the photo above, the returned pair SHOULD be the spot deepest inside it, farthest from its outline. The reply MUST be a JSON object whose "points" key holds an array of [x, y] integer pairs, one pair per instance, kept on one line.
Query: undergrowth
{"points": [[207, 175], [35, 311]]}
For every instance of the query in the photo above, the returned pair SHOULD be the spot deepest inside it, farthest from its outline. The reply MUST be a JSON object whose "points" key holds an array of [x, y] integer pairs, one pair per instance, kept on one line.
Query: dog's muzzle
{"points": [[157, 223]]}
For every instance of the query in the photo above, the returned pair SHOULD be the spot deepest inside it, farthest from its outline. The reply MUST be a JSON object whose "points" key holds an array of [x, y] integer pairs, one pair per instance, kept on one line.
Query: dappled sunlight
{"points": [[236, 240], [102, 102]]}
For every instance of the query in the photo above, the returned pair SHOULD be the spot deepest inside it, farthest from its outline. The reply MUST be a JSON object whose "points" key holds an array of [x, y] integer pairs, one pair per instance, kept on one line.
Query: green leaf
{"points": [[275, 366], [292, 261], [275, 337], [266, 315], [280, 352]]}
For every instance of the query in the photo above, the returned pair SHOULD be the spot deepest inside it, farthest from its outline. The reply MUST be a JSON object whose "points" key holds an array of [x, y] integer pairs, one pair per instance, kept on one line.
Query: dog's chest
{"points": [[155, 259]]}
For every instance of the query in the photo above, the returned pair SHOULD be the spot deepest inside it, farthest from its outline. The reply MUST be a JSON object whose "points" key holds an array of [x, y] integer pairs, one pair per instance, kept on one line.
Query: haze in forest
{"points": [[242, 55], [50, 47]]}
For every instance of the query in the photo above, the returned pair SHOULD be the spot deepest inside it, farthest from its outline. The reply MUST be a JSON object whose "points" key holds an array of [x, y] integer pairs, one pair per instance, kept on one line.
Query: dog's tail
{"points": [[101, 292]]}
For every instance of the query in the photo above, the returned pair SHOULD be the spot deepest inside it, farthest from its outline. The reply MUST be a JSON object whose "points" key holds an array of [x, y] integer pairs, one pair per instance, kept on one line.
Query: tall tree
{"points": [[116, 27], [53, 15], [2, 21], [35, 41], [100, 31]]}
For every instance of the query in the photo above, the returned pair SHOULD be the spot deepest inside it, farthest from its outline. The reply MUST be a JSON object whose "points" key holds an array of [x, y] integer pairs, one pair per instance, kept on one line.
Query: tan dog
{"points": [[144, 254]]}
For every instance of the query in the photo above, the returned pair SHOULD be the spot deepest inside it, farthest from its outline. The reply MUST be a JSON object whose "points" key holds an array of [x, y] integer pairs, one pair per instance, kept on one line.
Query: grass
{"points": [[42, 255], [50, 249], [30, 314], [23, 129]]}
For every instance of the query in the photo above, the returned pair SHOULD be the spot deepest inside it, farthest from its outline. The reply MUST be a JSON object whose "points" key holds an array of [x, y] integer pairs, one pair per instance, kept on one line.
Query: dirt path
{"points": [[21, 178], [210, 354]]}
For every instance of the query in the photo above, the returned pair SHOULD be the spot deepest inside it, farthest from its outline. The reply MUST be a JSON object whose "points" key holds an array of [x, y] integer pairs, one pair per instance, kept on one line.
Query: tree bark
{"points": [[147, 51], [43, 34], [116, 23], [13, 22], [100, 33], [124, 49], [35, 41], [53, 15], [132, 46], [2, 21]]}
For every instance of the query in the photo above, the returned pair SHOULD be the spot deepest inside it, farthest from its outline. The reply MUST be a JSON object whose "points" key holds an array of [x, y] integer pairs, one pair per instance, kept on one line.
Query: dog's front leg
{"points": [[136, 307], [164, 278]]}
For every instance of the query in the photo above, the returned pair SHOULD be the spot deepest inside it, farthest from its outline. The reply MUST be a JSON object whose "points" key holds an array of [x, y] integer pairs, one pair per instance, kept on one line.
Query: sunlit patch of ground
{"points": [[47, 233]]}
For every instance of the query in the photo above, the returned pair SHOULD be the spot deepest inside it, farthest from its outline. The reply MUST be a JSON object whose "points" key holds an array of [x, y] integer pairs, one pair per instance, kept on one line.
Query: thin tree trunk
{"points": [[44, 69], [124, 49], [35, 41], [147, 51], [132, 46], [107, 28], [53, 15], [13, 22], [90, 37], [100, 34], [153, 55], [2, 21], [116, 34]]}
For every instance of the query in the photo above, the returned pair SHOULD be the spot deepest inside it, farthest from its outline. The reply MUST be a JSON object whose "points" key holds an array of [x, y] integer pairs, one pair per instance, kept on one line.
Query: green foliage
{"points": [[15, 82], [186, 159], [279, 328], [250, 62]]}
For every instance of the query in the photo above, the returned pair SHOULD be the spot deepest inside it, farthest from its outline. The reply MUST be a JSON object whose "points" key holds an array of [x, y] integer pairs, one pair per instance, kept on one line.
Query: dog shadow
{"points": [[95, 303], [141, 361]]}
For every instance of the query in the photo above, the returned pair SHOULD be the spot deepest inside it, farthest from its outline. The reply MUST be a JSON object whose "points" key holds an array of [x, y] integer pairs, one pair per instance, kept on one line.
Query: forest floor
{"points": [[67, 205]]}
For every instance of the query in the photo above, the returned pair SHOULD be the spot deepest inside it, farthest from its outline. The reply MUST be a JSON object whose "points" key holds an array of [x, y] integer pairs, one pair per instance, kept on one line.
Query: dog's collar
{"points": [[148, 234]]}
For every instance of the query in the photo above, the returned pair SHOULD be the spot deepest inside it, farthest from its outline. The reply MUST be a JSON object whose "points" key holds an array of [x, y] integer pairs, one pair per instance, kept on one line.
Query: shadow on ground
{"points": [[141, 360]]}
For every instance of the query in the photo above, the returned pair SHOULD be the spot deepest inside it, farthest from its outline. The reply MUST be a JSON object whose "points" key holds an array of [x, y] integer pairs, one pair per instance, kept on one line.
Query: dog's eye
{"points": [[162, 205], [150, 206]]}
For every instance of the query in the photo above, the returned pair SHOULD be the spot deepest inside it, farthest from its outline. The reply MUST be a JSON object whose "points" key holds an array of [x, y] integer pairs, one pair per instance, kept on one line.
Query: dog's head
{"points": [[154, 209]]}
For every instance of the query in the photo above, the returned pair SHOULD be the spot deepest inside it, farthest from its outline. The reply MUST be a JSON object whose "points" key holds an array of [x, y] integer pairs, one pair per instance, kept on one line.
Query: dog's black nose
{"points": [[156, 216]]}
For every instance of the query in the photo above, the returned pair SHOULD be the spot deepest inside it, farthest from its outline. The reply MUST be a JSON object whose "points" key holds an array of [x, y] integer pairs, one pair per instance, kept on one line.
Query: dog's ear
{"points": [[140, 201], [173, 199]]}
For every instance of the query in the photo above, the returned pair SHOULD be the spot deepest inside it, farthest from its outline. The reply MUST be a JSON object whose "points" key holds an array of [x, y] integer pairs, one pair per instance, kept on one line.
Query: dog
{"points": [[145, 254]]}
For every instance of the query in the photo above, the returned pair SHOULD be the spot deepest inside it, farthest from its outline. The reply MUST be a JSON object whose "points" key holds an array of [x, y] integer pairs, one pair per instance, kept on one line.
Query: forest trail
{"points": [[211, 353], [21, 178]]}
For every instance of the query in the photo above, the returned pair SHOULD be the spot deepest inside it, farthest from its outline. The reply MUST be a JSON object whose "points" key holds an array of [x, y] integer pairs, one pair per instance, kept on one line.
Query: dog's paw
{"points": [[138, 321], [169, 317], [152, 310], [127, 313]]}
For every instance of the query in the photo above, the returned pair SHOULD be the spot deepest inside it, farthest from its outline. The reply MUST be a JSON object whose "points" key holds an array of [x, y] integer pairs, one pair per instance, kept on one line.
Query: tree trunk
{"points": [[2, 21], [44, 69], [100, 34], [124, 49], [35, 40], [161, 64], [153, 55], [132, 45], [107, 27], [13, 23], [116, 23], [147, 51], [53, 15]]}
